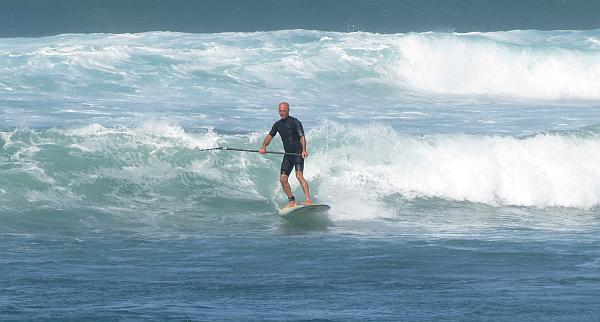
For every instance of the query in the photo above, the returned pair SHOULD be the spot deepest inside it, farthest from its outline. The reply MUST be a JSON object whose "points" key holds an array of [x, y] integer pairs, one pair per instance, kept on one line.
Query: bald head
{"points": [[284, 110]]}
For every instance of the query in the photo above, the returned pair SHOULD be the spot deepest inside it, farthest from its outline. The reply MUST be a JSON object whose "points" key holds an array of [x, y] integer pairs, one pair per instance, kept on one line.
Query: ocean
{"points": [[462, 168]]}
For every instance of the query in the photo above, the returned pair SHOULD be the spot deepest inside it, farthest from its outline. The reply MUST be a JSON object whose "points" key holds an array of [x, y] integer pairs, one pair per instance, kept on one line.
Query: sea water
{"points": [[463, 172]]}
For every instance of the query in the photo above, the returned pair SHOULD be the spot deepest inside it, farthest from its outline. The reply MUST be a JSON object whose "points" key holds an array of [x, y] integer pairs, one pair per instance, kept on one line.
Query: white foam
{"points": [[159, 134], [460, 65], [507, 65], [363, 165], [93, 129]]}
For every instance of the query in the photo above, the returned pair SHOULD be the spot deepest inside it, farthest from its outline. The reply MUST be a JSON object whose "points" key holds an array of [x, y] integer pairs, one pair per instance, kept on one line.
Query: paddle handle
{"points": [[247, 150]]}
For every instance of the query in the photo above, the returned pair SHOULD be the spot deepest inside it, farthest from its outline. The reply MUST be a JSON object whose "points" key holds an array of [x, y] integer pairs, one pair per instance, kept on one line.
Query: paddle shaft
{"points": [[247, 150]]}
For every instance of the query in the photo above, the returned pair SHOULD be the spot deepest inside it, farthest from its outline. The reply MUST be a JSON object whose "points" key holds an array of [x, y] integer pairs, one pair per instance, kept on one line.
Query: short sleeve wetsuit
{"points": [[290, 130]]}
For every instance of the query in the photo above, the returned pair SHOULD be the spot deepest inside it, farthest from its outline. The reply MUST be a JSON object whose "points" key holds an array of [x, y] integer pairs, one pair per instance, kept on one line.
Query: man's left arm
{"points": [[300, 131], [303, 144]]}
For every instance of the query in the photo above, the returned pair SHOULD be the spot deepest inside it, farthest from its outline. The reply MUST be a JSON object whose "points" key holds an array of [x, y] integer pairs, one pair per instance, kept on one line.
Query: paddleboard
{"points": [[302, 210]]}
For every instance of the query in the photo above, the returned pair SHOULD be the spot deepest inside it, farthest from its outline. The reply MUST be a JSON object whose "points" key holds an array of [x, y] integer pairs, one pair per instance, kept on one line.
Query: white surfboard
{"points": [[302, 210]]}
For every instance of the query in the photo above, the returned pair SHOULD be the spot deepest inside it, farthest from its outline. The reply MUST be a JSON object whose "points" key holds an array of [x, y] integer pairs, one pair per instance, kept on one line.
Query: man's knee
{"points": [[283, 178], [299, 176]]}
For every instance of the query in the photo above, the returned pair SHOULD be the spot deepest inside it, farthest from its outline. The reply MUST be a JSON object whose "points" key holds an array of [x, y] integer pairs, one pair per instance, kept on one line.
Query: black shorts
{"points": [[289, 161]]}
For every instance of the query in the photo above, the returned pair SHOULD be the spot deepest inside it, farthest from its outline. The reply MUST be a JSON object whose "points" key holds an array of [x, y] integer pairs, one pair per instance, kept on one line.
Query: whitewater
{"points": [[66, 168], [463, 172], [197, 79]]}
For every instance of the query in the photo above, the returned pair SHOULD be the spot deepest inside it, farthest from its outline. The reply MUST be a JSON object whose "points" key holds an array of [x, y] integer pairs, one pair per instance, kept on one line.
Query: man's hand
{"points": [[304, 154], [266, 141]]}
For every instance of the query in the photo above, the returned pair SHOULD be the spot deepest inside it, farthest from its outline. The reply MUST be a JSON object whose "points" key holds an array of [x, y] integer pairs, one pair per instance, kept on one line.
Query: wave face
{"points": [[154, 171]]}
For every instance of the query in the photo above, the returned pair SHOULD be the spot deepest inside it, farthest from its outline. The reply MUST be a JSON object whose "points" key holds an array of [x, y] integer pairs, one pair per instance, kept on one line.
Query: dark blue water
{"points": [[36, 18], [297, 277]]}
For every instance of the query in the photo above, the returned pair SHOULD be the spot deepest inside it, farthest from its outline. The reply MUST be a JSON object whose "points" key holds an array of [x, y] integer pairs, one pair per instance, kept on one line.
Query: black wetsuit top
{"points": [[290, 130]]}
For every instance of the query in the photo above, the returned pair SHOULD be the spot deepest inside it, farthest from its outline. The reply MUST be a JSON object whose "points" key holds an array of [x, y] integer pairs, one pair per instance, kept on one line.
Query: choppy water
{"points": [[463, 171]]}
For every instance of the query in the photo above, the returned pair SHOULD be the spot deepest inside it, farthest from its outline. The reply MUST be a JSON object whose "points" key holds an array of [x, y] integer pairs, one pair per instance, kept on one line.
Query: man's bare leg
{"points": [[304, 184], [287, 189]]}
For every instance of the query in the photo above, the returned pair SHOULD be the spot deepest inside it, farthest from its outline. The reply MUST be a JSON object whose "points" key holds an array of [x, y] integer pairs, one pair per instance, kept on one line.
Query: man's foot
{"points": [[308, 202], [291, 204]]}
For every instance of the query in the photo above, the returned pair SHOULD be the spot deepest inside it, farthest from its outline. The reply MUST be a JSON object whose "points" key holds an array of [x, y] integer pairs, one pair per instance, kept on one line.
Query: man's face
{"points": [[284, 111]]}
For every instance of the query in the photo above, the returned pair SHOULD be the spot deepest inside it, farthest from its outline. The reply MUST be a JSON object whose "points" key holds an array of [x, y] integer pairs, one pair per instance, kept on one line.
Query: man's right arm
{"points": [[268, 139], [266, 142]]}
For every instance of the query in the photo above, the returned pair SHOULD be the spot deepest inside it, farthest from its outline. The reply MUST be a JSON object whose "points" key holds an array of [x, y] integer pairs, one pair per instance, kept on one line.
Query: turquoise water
{"points": [[463, 171]]}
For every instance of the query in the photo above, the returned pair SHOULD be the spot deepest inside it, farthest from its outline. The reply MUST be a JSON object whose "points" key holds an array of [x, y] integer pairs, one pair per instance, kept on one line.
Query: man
{"points": [[292, 135]]}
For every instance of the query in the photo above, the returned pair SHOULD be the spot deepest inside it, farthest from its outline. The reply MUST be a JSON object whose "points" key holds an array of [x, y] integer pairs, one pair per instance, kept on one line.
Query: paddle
{"points": [[246, 150]]}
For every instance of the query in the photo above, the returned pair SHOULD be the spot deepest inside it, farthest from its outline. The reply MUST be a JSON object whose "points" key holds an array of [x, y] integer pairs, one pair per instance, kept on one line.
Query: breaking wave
{"points": [[157, 169]]}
